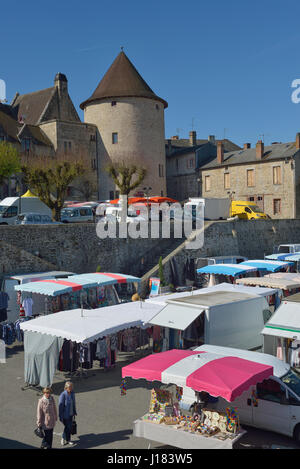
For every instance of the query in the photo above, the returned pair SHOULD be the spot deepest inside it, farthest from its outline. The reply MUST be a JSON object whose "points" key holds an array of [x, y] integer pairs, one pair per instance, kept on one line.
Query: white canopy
{"points": [[272, 282], [285, 322], [176, 317], [95, 323]]}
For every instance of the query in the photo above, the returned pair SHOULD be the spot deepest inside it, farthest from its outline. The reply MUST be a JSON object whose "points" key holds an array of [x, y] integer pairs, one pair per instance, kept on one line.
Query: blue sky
{"points": [[225, 67]]}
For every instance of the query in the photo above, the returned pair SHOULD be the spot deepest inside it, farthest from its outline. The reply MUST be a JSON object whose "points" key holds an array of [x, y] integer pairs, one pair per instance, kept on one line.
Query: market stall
{"points": [[268, 265], [71, 339], [227, 317], [225, 272], [286, 285], [281, 333], [210, 375], [91, 290]]}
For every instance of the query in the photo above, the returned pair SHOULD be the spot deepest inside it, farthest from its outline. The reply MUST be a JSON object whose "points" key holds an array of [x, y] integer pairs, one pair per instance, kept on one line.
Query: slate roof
{"points": [[9, 125], [122, 80], [36, 133], [31, 106], [272, 152], [183, 146]]}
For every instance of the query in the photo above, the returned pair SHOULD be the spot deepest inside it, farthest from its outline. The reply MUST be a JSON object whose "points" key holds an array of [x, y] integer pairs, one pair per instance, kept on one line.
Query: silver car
{"points": [[35, 219]]}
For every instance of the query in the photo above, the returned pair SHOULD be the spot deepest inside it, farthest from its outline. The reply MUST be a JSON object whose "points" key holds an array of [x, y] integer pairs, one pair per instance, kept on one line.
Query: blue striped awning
{"points": [[293, 257], [55, 287], [277, 257], [226, 269], [267, 265]]}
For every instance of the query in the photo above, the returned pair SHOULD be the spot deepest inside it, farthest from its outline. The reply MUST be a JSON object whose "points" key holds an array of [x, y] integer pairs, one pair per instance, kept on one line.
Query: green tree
{"points": [[50, 177], [123, 176], [127, 177], [10, 161]]}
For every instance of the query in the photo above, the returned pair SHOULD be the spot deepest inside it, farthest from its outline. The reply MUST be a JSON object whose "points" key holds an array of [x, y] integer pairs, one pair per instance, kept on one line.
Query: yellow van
{"points": [[246, 210]]}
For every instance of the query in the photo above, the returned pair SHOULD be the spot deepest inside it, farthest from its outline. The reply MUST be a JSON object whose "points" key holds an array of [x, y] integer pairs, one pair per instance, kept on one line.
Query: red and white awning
{"points": [[217, 374]]}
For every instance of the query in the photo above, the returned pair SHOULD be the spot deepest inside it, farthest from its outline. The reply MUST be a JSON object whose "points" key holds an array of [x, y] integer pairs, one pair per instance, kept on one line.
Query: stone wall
{"points": [[75, 248], [253, 239]]}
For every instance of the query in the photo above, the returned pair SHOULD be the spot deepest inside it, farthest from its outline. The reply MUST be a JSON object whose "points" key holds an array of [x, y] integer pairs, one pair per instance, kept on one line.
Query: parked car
{"points": [[35, 219], [77, 215]]}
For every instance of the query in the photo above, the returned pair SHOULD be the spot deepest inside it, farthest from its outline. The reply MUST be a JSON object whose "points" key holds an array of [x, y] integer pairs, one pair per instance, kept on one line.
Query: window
{"points": [[117, 194], [37, 218], [111, 195], [115, 137], [11, 212], [177, 164], [207, 183], [94, 165], [26, 144], [270, 390], [2, 138], [276, 206], [93, 138], [250, 177], [277, 175], [114, 103], [161, 170], [70, 145], [226, 181]]}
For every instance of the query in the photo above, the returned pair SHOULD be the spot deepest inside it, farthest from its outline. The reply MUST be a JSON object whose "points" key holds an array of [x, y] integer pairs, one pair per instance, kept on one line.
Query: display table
{"points": [[179, 438]]}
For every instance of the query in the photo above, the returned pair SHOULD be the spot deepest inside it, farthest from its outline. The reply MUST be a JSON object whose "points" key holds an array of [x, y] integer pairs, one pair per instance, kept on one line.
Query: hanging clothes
{"points": [[27, 305]]}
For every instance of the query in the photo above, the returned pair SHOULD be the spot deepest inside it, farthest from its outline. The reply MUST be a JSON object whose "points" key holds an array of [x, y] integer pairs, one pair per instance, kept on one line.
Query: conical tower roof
{"points": [[122, 80]]}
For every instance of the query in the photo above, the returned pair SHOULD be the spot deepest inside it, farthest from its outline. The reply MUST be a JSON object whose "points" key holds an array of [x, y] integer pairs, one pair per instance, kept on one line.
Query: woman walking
{"points": [[47, 417], [67, 411]]}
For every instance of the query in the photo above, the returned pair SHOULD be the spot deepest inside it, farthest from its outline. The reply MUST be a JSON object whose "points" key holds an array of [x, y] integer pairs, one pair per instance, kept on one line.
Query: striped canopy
{"points": [[74, 283], [267, 265], [218, 374], [226, 269]]}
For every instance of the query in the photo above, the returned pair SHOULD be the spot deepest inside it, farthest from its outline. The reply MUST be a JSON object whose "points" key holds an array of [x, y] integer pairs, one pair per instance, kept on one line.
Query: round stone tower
{"points": [[130, 120]]}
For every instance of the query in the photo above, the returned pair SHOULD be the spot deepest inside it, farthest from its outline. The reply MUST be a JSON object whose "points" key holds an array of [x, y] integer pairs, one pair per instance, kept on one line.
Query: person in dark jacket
{"points": [[67, 411]]}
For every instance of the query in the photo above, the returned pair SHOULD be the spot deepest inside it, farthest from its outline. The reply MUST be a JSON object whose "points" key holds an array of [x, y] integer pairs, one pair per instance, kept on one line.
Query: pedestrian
{"points": [[47, 417], [67, 411]]}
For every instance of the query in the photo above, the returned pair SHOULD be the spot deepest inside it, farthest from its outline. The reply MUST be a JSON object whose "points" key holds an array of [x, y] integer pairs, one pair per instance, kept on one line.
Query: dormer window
{"points": [[114, 103]]}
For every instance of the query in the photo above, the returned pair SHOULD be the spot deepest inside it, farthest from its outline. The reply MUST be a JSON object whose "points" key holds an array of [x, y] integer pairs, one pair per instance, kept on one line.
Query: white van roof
{"points": [[206, 300], [8, 201], [52, 273], [280, 368]]}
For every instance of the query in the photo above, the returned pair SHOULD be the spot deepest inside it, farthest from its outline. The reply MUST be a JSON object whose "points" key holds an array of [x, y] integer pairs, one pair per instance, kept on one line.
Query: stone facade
{"points": [[262, 188], [139, 124]]}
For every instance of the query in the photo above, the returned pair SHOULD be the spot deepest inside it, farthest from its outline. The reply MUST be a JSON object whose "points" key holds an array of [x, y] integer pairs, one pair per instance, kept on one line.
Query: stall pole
{"points": [[81, 304]]}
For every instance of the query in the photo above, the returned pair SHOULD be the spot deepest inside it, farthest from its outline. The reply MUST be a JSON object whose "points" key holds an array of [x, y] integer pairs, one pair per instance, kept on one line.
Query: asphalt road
{"points": [[104, 416]]}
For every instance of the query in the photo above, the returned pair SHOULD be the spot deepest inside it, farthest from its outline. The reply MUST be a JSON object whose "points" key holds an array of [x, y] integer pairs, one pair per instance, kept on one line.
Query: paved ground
{"points": [[104, 417]]}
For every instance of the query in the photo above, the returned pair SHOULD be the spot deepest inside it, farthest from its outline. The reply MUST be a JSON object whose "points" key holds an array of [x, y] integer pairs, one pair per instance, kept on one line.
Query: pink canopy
{"points": [[217, 374]]}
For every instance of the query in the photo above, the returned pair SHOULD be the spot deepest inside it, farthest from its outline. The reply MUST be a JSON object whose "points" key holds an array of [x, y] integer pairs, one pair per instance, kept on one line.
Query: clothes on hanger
{"points": [[27, 305]]}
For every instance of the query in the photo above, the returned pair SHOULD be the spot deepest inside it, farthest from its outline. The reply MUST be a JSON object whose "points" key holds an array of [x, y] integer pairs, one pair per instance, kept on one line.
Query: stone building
{"points": [[130, 120], [269, 176], [46, 122], [184, 159]]}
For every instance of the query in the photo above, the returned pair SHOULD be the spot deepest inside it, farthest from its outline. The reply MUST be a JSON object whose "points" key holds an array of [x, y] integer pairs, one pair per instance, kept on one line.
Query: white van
{"points": [[77, 214], [273, 404], [11, 207]]}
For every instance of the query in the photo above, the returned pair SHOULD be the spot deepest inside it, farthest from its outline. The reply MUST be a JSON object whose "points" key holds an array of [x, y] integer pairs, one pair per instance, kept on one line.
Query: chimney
{"points": [[193, 138], [61, 83], [259, 150], [298, 141], [169, 147], [220, 152], [247, 146], [211, 138], [175, 137]]}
